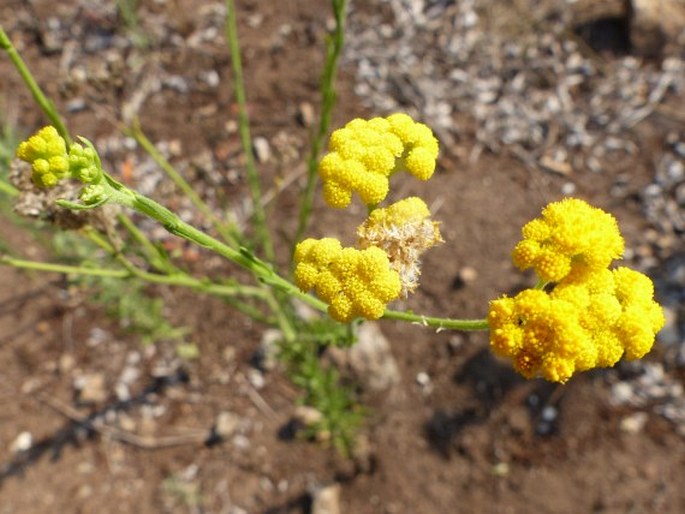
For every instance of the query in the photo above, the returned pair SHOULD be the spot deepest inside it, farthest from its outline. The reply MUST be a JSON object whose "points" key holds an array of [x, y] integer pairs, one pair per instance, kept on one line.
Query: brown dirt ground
{"points": [[469, 446]]}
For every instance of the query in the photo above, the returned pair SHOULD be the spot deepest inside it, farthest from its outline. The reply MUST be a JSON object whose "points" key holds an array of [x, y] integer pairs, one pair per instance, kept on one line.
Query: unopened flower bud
{"points": [[92, 194], [84, 164]]}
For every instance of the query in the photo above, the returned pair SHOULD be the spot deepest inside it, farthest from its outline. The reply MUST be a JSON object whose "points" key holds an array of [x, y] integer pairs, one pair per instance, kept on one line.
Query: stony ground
{"points": [[530, 104]]}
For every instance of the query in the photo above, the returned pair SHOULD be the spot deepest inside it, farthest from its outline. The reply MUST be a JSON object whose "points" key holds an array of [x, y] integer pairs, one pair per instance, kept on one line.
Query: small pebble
{"points": [[76, 105], [305, 114], [307, 416], [549, 414], [91, 388], [23, 442], [635, 423], [423, 379], [256, 378], [501, 469], [226, 424], [326, 499], [468, 274], [262, 149], [66, 363]]}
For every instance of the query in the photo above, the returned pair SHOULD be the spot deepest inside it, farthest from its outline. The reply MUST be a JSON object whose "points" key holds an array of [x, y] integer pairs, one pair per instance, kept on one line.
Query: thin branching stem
{"points": [[156, 257], [8, 189], [63, 268], [438, 323], [45, 104], [259, 215], [130, 270], [262, 270], [204, 285], [334, 48], [228, 232], [243, 257]]}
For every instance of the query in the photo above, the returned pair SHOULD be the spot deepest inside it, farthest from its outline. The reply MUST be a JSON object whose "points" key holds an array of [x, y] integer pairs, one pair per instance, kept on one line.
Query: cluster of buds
{"points": [[353, 282], [587, 316], [365, 153], [386, 263], [571, 239], [46, 152]]}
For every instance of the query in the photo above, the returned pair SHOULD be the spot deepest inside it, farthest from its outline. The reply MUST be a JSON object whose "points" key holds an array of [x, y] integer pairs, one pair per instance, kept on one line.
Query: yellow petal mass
{"points": [[365, 153]]}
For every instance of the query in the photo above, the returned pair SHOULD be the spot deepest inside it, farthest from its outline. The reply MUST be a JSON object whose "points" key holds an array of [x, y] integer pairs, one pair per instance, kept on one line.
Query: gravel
{"points": [[519, 92]]}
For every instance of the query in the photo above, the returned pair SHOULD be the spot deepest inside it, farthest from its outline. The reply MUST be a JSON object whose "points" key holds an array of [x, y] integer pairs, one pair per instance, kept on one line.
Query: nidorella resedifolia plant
{"points": [[582, 314]]}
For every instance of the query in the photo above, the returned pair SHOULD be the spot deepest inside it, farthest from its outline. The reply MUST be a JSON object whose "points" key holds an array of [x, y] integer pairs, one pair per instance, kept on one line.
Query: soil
{"points": [[475, 438]]}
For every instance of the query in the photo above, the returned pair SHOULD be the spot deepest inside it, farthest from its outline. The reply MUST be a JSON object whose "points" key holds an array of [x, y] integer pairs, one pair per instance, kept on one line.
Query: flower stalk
{"points": [[259, 216], [45, 104]]}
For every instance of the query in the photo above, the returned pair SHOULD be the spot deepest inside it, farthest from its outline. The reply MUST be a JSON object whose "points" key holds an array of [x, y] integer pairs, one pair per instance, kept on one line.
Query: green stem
{"points": [[261, 228], [8, 189], [227, 292], [97, 238], [48, 107], [439, 323], [63, 268], [233, 290], [333, 49], [260, 269], [153, 255], [289, 333], [228, 232], [263, 271], [541, 284], [224, 290], [203, 284]]}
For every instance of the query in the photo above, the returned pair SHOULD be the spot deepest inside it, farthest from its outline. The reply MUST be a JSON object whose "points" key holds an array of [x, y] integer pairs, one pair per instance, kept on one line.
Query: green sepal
{"points": [[68, 204], [92, 147]]}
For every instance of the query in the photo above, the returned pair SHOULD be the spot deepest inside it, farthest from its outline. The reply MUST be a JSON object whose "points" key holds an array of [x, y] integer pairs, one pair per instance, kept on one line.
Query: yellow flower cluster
{"points": [[592, 316], [403, 231], [353, 282], [578, 325], [46, 151], [571, 238], [385, 265], [364, 154]]}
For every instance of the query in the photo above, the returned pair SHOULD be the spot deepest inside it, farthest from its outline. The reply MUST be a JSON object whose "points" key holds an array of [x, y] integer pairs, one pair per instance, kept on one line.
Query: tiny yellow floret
{"points": [[365, 153], [355, 283]]}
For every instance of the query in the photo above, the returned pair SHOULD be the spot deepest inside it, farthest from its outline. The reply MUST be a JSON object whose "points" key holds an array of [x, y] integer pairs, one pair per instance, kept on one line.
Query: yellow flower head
{"points": [[571, 238], [46, 151], [364, 154], [404, 231], [355, 283], [581, 324]]}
